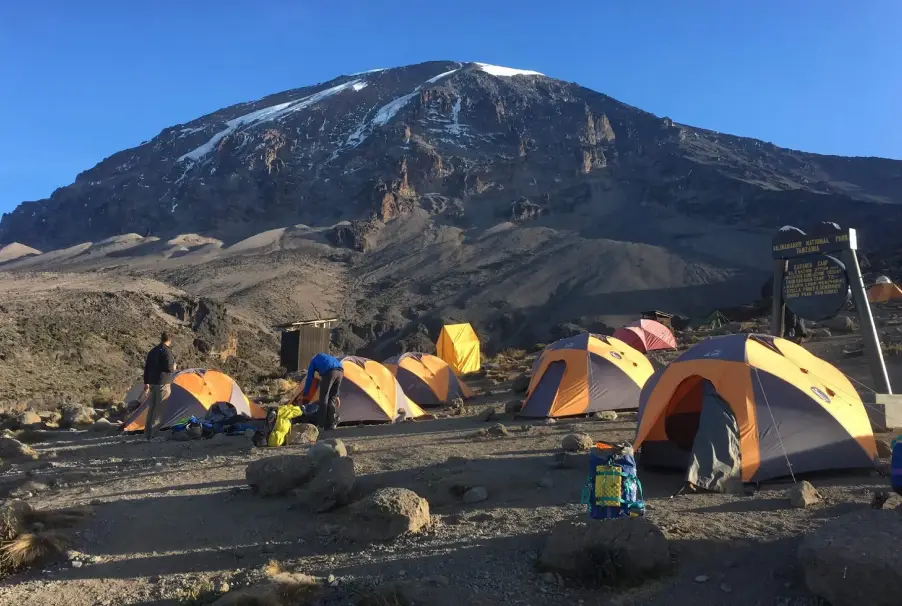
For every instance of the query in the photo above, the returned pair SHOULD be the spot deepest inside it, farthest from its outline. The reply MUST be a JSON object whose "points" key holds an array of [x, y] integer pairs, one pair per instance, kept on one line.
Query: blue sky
{"points": [[82, 80]]}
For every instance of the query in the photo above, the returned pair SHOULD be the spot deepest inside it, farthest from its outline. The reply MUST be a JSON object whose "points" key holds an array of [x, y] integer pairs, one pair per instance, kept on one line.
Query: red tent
{"points": [[646, 335]]}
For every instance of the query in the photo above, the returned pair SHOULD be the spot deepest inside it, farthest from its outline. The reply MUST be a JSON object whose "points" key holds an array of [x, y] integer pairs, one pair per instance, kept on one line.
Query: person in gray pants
{"points": [[158, 366]]}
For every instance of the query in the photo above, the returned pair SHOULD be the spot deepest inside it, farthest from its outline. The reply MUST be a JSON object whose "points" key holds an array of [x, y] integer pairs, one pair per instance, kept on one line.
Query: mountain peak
{"points": [[480, 141]]}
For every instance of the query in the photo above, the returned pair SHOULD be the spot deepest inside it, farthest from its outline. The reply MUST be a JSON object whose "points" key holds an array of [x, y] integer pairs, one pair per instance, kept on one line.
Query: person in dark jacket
{"points": [[330, 374], [158, 366]]}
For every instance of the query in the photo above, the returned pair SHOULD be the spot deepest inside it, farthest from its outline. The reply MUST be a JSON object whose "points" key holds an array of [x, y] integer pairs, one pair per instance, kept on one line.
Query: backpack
{"points": [[612, 488], [281, 427], [261, 437]]}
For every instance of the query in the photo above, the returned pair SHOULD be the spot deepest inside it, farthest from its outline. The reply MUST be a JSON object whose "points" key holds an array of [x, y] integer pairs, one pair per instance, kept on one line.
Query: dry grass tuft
{"points": [[272, 568], [20, 548], [28, 549]]}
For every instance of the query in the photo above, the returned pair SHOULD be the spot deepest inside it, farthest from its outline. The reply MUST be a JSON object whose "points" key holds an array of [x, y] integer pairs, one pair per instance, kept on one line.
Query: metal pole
{"points": [[778, 313], [868, 328]]}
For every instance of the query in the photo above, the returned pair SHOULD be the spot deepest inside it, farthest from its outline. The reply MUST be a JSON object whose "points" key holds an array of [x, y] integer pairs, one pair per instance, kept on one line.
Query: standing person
{"points": [[157, 367], [330, 375]]}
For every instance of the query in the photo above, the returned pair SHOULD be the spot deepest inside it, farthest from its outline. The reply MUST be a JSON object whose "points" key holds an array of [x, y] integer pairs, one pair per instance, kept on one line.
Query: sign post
{"points": [[815, 284]]}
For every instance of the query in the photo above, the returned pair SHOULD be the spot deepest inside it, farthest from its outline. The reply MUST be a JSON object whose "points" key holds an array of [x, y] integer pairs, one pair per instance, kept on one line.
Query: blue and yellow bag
{"points": [[612, 488]]}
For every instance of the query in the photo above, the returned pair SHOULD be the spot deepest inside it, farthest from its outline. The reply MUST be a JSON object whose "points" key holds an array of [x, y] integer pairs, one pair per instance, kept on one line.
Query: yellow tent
{"points": [[884, 291], [458, 345]]}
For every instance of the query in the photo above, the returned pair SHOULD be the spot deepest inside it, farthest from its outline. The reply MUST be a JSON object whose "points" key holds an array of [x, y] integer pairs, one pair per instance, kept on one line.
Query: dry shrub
{"points": [[514, 354], [104, 398], [31, 548], [21, 543]]}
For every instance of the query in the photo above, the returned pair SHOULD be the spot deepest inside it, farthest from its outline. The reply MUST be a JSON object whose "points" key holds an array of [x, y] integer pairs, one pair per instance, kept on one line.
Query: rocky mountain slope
{"points": [[399, 198], [466, 142]]}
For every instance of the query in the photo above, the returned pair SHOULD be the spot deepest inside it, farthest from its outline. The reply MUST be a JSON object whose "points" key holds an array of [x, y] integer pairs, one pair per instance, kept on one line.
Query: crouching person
{"points": [[330, 374]]}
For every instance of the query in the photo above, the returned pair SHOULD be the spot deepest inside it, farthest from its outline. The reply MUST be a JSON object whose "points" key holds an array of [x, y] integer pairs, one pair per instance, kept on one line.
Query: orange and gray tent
{"points": [[750, 408], [192, 393], [427, 380], [884, 291], [458, 345], [584, 374], [646, 335], [370, 393]]}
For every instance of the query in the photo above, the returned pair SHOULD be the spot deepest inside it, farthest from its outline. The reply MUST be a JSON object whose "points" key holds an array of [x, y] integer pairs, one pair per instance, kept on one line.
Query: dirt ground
{"points": [[170, 516]]}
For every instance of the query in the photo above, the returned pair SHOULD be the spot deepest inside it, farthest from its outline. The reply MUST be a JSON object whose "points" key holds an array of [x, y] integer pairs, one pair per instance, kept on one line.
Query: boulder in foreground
{"points": [[277, 475], [620, 552], [331, 486], [856, 559], [388, 514], [16, 451]]}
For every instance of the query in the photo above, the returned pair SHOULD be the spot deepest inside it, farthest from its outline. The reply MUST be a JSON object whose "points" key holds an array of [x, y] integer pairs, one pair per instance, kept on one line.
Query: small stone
{"points": [[526, 428], [577, 442], [513, 406], [884, 451], [606, 415], [221, 586], [479, 433], [218, 437], [550, 421], [498, 430], [548, 577], [702, 578], [803, 495], [476, 495], [77, 564], [725, 588]]}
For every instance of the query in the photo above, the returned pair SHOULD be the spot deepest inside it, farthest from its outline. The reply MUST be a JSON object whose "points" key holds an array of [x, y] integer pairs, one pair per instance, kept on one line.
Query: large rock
{"points": [[856, 559], [303, 433], [388, 514], [16, 451], [27, 418], [75, 415], [623, 551], [577, 442], [433, 591], [278, 475], [520, 384], [803, 495], [281, 589], [331, 486]]}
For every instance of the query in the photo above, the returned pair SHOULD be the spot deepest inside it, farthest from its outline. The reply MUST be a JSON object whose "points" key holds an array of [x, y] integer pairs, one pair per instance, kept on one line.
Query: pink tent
{"points": [[646, 335]]}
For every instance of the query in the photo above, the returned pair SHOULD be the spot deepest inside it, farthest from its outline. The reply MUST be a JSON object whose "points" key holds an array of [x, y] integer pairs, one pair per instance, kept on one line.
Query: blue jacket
{"points": [[321, 363]]}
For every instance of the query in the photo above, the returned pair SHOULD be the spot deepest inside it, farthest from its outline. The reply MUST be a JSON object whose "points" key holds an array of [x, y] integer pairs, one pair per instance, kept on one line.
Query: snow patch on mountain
{"points": [[506, 72], [268, 114], [435, 79]]}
